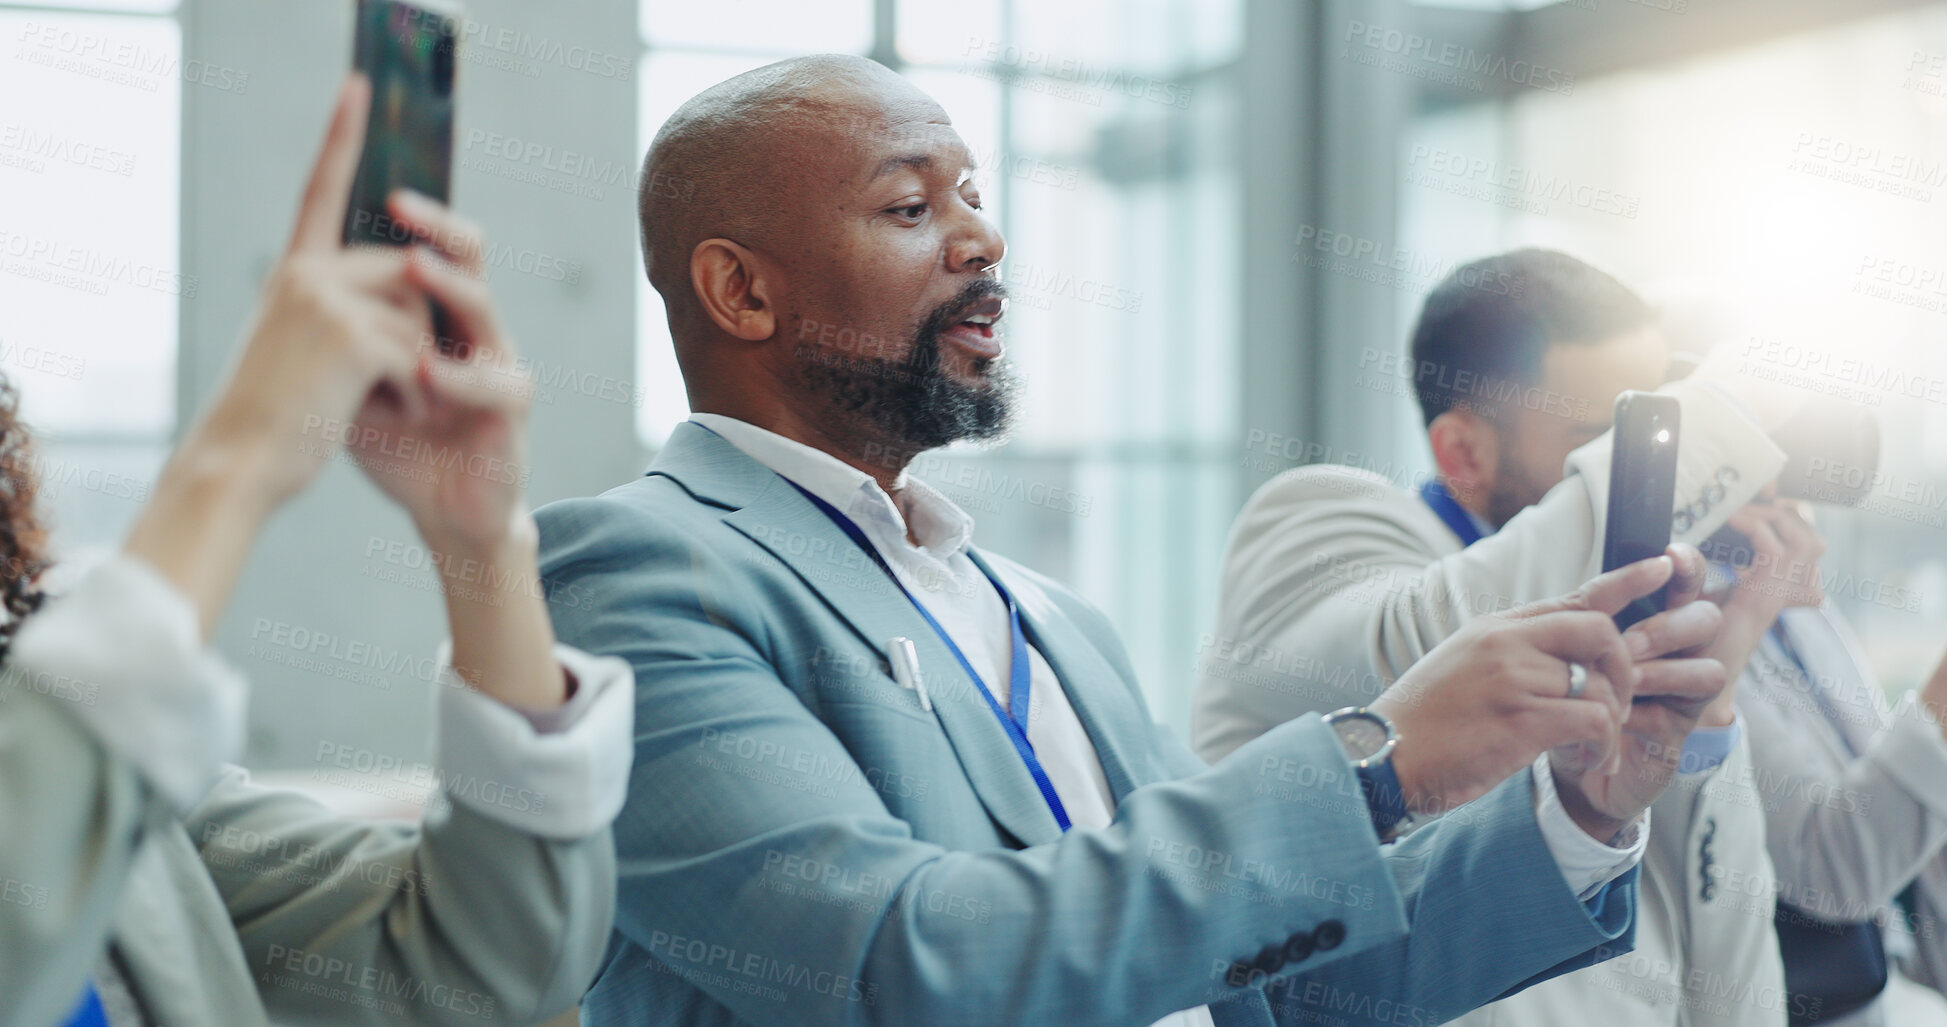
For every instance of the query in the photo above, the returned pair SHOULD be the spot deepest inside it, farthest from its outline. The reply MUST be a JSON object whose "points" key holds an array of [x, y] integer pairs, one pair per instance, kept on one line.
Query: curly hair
{"points": [[23, 538]]}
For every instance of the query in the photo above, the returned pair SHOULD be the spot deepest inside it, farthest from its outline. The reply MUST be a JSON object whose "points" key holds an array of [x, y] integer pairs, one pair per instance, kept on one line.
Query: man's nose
{"points": [[977, 244]]}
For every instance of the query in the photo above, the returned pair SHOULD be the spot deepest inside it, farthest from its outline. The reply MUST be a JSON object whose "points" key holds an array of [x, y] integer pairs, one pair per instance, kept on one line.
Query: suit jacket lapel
{"points": [[1113, 721], [776, 516]]}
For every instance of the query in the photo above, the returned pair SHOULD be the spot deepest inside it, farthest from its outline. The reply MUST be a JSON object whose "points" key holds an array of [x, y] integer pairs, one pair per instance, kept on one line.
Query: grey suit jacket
{"points": [[259, 904], [805, 845]]}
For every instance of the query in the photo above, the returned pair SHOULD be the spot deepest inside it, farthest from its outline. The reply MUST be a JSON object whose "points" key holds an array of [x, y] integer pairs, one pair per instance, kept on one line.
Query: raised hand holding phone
{"points": [[334, 325]]}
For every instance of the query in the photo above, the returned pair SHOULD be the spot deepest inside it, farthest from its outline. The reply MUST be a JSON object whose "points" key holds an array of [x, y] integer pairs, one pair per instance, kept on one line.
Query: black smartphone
{"points": [[408, 51], [1642, 490]]}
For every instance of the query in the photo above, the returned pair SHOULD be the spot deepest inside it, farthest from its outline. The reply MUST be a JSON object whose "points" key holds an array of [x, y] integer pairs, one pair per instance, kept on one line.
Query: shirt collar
{"points": [[941, 527]]}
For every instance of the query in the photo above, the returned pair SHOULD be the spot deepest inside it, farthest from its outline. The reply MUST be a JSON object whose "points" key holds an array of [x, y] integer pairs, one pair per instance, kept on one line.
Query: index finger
{"points": [[1687, 576], [1606, 593], [321, 214]]}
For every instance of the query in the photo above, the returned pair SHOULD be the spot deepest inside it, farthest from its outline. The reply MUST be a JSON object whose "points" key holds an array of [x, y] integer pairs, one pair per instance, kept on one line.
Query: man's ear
{"points": [[733, 289], [1467, 450]]}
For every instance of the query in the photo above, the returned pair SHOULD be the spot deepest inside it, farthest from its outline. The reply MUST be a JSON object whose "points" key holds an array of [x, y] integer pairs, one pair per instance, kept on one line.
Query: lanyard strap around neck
{"points": [[1457, 519], [1014, 719]]}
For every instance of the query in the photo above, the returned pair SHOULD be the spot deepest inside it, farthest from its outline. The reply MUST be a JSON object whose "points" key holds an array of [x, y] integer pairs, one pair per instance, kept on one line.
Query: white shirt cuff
{"points": [[1586, 864], [560, 774], [122, 650]]}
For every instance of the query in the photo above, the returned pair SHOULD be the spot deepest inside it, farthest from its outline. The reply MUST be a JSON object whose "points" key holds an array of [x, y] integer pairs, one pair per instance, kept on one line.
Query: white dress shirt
{"points": [[939, 573]]}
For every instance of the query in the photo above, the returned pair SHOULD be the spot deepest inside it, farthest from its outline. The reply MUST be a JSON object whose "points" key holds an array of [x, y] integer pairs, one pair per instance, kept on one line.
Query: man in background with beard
{"points": [[883, 777]]}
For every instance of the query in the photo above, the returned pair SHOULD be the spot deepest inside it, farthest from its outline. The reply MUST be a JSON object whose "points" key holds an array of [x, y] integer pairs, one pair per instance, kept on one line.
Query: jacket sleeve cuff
{"points": [[561, 774], [122, 650], [1586, 864]]}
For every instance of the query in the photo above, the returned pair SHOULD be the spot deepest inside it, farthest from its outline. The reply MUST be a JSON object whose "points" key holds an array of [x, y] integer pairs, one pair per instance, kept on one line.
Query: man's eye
{"points": [[912, 210]]}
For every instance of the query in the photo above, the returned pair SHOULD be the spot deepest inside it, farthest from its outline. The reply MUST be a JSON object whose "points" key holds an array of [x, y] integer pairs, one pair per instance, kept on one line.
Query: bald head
{"points": [[816, 233], [735, 160]]}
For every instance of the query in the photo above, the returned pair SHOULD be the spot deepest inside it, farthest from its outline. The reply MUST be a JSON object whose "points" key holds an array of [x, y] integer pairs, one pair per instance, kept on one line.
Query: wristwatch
{"points": [[1369, 740]]}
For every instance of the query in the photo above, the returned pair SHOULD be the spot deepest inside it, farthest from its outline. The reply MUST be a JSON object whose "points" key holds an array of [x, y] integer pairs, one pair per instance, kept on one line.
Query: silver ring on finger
{"points": [[1578, 680]]}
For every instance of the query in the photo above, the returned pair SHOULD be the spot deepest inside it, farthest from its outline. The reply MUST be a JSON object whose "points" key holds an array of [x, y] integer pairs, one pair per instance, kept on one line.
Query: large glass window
{"points": [[1785, 199], [90, 276], [1104, 133]]}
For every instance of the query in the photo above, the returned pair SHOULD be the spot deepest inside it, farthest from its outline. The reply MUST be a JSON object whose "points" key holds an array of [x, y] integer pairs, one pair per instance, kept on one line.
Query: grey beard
{"points": [[914, 403]]}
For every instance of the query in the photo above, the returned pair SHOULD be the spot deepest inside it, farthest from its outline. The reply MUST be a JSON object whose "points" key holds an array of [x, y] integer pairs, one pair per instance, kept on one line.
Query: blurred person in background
{"points": [[1854, 788], [147, 881], [917, 782]]}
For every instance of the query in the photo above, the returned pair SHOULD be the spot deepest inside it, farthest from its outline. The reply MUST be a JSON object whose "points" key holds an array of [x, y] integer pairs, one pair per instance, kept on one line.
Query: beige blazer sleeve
{"points": [[112, 721], [497, 907], [463, 921]]}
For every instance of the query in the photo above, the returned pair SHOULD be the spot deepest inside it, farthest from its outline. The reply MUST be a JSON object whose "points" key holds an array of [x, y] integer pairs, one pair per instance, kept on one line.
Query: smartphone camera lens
{"points": [[444, 55]]}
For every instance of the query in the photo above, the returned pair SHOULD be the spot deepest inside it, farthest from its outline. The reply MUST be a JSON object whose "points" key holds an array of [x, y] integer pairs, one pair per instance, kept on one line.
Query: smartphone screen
{"points": [[408, 50], [1642, 490]]}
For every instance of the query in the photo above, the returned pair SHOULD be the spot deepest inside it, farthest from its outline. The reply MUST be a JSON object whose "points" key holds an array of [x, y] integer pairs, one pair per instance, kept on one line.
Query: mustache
{"points": [[948, 314]]}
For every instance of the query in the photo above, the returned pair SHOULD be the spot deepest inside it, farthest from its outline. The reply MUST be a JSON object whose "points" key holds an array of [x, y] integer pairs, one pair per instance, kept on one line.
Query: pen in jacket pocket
{"points": [[905, 669]]}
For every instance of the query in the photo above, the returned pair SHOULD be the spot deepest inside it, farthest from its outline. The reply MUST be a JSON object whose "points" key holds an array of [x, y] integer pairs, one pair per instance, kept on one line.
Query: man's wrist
{"points": [[1593, 822]]}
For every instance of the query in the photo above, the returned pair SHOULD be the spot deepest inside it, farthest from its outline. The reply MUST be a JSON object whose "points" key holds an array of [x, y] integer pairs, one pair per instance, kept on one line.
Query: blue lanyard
{"points": [[1443, 503], [88, 1013], [1014, 719]]}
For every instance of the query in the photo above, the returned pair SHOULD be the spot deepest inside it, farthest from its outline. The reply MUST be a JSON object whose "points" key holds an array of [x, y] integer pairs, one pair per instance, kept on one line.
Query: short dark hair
{"points": [[1491, 322]]}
